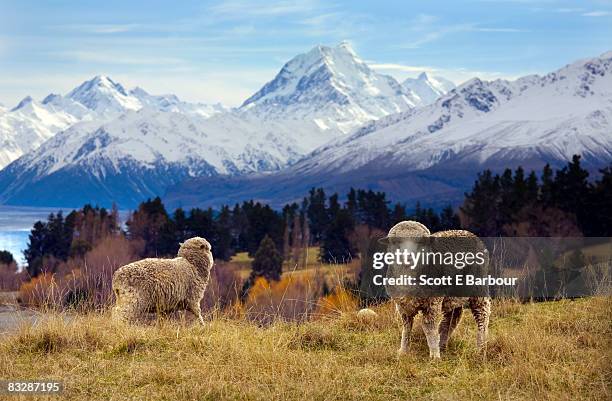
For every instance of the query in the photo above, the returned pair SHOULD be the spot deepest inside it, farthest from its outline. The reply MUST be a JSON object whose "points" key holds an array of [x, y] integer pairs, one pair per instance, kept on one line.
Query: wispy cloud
{"points": [[402, 67], [103, 57], [597, 14], [100, 28], [501, 30], [240, 9], [565, 10]]}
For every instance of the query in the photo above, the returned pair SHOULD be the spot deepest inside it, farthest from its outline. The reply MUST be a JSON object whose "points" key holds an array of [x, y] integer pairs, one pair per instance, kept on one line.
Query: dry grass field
{"points": [[545, 351]]}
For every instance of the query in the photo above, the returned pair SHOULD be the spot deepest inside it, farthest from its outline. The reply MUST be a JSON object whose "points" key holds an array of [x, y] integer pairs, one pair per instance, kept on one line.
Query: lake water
{"points": [[15, 225], [17, 221]]}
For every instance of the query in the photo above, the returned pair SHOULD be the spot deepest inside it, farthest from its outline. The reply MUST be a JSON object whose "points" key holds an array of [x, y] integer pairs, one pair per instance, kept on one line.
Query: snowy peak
{"points": [[428, 88], [331, 86], [102, 95]]}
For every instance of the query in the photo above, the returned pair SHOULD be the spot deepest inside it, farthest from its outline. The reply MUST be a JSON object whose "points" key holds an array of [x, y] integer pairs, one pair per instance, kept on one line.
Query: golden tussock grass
{"points": [[547, 351]]}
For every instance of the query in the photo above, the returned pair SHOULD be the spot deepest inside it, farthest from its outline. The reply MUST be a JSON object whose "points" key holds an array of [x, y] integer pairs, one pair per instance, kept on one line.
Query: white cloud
{"points": [[102, 57], [501, 30], [100, 28], [239, 9], [401, 67], [597, 14]]}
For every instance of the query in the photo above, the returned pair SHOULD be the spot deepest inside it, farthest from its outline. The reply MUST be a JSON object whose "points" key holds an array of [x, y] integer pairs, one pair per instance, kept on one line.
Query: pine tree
{"points": [[296, 240], [305, 240], [448, 219], [37, 247], [317, 214], [481, 206], [6, 258], [336, 246], [547, 190], [268, 262]]}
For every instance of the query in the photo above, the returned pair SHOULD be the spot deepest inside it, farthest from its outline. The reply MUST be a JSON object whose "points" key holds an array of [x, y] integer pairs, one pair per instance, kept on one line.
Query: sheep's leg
{"points": [[431, 321], [407, 313], [193, 306], [406, 332], [481, 309], [449, 323]]}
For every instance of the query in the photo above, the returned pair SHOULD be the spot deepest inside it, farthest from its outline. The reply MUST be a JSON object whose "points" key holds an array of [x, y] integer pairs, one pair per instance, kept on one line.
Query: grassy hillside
{"points": [[557, 350]]}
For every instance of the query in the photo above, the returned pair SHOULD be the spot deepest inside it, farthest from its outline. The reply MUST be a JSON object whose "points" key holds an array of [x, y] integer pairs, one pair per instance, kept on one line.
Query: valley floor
{"points": [[546, 351]]}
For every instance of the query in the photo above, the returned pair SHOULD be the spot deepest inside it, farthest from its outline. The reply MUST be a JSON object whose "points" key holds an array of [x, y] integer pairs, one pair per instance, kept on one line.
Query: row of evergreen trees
{"points": [[320, 220], [61, 237], [556, 204]]}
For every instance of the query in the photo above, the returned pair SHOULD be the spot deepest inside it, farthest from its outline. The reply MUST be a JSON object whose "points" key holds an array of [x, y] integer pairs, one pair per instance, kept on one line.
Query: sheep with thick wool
{"points": [[441, 315], [164, 285]]}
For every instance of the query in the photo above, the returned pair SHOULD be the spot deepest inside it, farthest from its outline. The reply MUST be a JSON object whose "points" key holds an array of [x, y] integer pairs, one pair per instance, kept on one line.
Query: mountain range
{"points": [[433, 153], [326, 119], [108, 144]]}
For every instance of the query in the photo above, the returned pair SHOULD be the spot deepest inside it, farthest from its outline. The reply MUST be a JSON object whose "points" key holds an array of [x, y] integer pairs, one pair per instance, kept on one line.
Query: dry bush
{"points": [[42, 291], [293, 298], [224, 287], [339, 301], [92, 286], [10, 278], [84, 283]]}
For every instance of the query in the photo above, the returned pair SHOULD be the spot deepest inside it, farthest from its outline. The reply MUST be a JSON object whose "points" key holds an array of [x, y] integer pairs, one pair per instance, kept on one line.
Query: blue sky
{"points": [[225, 50]]}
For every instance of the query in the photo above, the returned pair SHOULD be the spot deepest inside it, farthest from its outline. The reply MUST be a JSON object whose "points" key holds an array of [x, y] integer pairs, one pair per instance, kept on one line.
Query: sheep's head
{"points": [[197, 251], [404, 233]]}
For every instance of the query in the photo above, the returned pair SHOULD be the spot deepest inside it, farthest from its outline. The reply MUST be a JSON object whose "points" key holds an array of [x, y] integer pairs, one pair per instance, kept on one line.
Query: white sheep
{"points": [[164, 285], [440, 314]]}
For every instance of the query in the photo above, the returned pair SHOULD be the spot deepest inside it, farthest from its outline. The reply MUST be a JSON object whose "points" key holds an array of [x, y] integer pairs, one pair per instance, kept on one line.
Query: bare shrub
{"points": [[223, 288], [10, 278], [293, 298]]}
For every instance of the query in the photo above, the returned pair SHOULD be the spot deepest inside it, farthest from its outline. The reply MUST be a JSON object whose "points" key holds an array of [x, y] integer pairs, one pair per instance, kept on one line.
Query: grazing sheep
{"points": [[164, 285], [440, 314]]}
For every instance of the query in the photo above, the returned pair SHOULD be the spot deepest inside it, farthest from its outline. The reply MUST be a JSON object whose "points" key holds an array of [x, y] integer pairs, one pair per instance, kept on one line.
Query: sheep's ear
{"points": [[180, 244]]}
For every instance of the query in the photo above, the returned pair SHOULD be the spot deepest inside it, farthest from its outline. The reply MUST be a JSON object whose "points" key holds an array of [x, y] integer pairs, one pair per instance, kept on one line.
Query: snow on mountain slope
{"points": [[138, 155], [331, 86], [104, 96], [317, 96], [174, 104], [100, 99], [428, 88], [566, 112], [28, 125]]}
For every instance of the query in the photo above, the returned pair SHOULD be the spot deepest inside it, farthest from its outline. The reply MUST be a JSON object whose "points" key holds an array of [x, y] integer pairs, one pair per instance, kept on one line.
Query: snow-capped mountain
{"points": [[30, 123], [555, 116], [132, 157], [143, 143], [434, 152], [428, 88], [332, 87], [104, 96]]}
